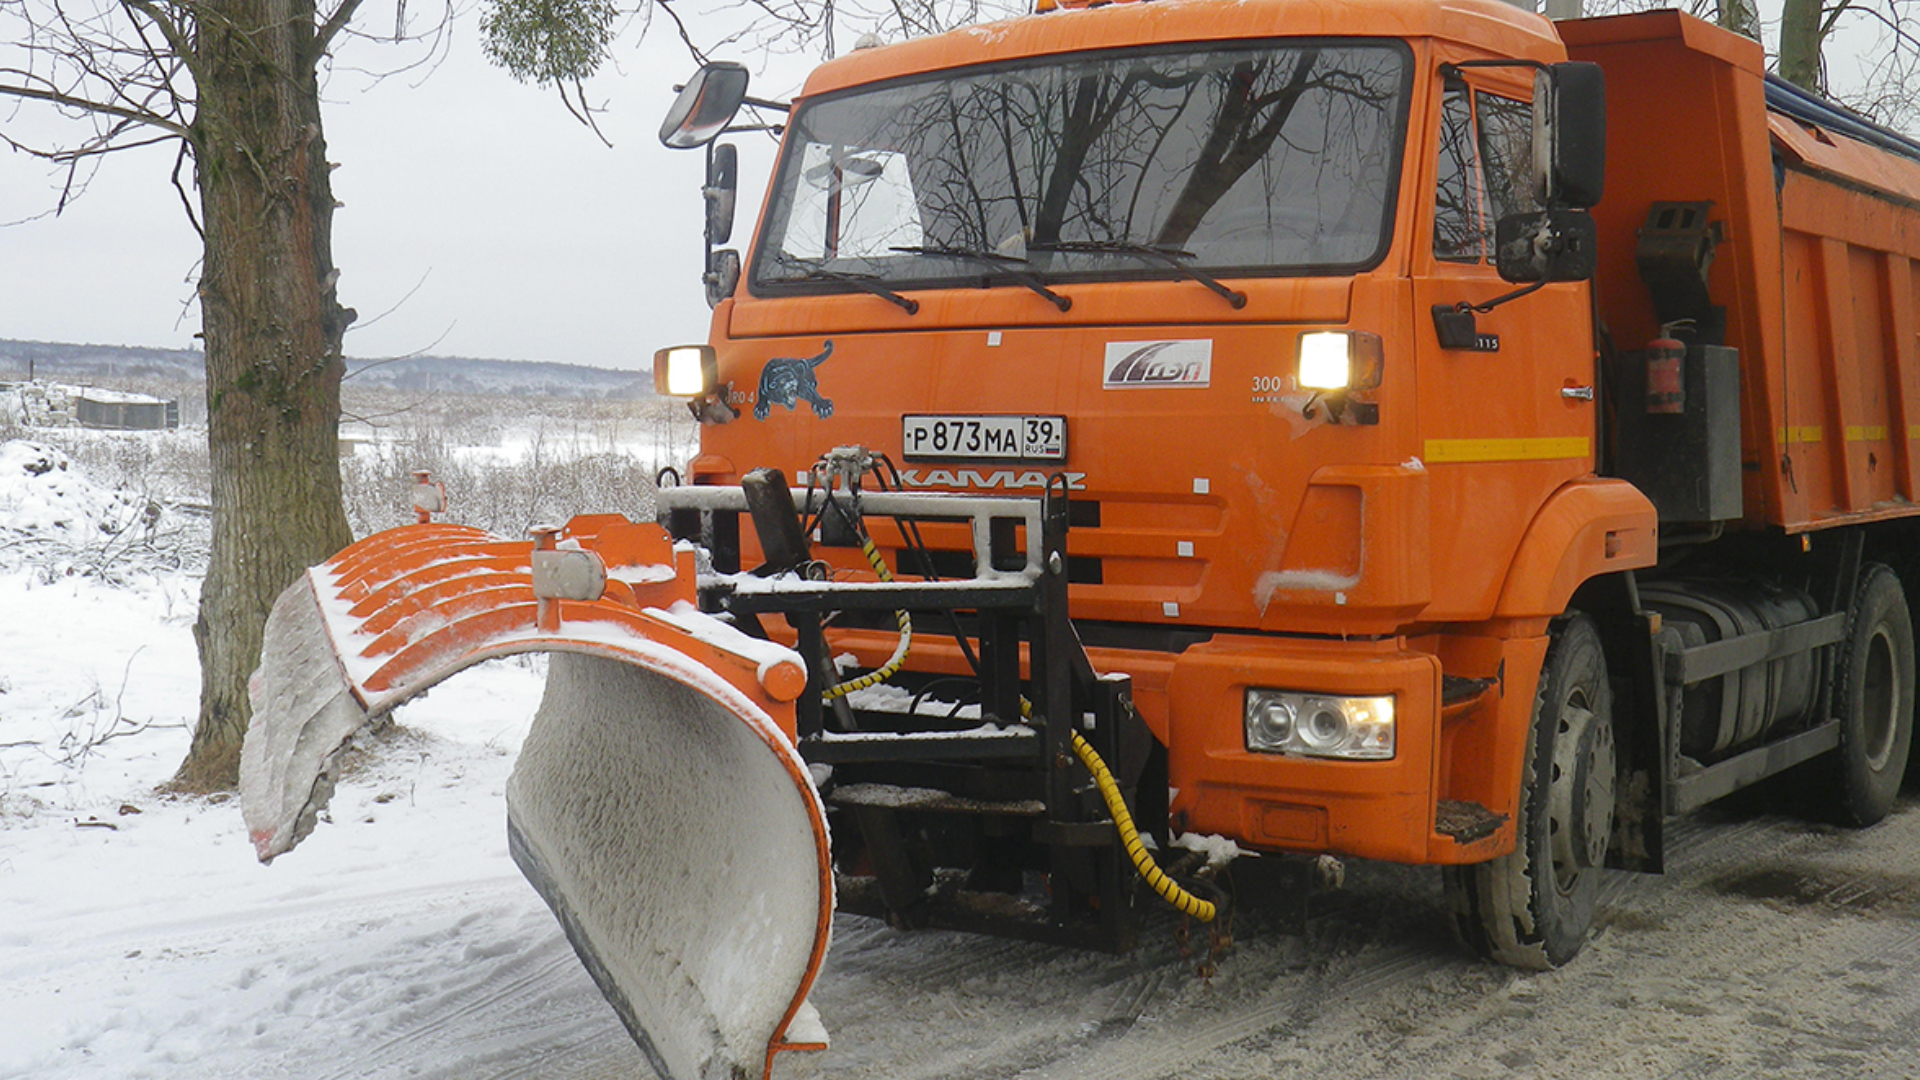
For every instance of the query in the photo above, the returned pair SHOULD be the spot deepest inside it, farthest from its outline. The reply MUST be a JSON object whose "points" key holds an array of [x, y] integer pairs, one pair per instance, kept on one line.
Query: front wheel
{"points": [[1533, 908]]}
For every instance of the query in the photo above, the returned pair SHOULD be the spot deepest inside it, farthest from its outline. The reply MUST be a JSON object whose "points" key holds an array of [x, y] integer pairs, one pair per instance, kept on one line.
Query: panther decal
{"points": [[789, 381]]}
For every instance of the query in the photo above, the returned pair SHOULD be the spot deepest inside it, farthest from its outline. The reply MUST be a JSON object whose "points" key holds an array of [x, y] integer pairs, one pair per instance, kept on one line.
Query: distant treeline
{"points": [[443, 374]]}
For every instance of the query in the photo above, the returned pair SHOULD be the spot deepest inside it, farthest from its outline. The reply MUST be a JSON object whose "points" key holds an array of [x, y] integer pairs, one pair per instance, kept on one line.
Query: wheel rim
{"points": [[1580, 792], [1879, 698]]}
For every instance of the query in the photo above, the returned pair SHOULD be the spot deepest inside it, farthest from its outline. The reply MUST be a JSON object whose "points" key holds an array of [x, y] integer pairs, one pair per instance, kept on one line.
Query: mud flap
{"points": [[658, 805]]}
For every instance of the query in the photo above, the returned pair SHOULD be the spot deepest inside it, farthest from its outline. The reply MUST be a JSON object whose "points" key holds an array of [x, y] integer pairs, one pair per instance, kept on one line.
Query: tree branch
{"points": [[71, 102], [680, 26], [192, 218], [1832, 16], [1899, 31], [176, 41], [342, 15], [584, 113]]}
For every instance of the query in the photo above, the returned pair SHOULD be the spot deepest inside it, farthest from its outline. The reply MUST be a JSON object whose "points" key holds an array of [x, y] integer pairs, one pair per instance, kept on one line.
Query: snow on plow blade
{"points": [[658, 805]]}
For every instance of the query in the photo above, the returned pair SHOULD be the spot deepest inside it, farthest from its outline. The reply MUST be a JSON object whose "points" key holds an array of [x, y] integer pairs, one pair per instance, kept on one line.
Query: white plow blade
{"points": [[673, 847], [658, 805], [304, 711]]}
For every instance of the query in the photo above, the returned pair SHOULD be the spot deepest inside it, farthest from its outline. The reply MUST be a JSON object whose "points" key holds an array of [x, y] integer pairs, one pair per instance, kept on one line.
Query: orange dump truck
{"points": [[1393, 429]]}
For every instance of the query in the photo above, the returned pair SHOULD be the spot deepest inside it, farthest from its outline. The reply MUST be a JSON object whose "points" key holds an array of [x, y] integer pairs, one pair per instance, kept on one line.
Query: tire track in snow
{"points": [[1685, 978], [1170, 1047], [499, 998], [1682, 979]]}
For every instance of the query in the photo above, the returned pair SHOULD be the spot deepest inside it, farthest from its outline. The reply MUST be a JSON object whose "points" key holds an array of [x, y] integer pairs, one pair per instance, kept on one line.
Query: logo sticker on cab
{"points": [[1133, 365]]}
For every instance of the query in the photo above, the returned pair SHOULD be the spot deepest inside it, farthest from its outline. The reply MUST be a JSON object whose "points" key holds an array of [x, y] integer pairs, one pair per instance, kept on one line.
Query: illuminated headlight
{"points": [[1333, 360], [1316, 725], [685, 370]]}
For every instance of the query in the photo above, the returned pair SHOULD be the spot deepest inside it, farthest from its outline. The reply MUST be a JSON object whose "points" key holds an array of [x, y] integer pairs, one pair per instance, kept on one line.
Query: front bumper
{"points": [[1367, 809]]}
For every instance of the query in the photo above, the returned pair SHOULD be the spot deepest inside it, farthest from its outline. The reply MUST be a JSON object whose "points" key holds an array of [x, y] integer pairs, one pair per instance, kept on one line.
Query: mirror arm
{"points": [[758, 103], [1498, 300], [1455, 328]]}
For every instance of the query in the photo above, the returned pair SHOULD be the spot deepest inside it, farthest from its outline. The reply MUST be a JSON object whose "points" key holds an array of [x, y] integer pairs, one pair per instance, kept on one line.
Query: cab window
{"points": [[1484, 173]]}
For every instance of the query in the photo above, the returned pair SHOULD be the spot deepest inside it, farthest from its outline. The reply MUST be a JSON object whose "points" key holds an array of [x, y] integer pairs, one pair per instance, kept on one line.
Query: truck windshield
{"points": [[1267, 158]]}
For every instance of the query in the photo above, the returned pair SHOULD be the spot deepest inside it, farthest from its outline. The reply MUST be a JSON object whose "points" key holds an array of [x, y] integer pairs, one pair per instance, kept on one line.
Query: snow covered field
{"points": [[139, 937]]}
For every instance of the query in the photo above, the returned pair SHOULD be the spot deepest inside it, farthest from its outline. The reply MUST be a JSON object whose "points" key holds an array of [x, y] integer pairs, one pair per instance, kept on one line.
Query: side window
{"points": [[1458, 212], [1506, 148], [1485, 170]]}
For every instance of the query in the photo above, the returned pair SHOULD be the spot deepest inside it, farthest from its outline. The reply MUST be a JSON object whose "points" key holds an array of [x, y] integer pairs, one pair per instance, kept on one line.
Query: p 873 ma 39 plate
{"points": [[983, 438]]}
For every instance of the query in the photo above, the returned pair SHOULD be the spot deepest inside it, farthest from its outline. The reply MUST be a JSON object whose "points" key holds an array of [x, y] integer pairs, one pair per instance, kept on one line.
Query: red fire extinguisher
{"points": [[1666, 390]]}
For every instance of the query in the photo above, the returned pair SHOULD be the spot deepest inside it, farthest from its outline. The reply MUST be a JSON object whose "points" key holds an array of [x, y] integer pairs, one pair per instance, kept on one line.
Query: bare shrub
{"points": [[170, 466], [137, 528], [508, 463]]}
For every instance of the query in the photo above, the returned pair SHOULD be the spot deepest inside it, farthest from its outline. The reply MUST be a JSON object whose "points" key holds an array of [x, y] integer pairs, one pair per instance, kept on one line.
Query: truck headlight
{"points": [[1319, 725], [1334, 360], [686, 370]]}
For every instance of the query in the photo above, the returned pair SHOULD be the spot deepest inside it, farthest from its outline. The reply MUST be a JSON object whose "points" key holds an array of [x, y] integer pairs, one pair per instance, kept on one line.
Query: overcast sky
{"points": [[526, 237], [518, 235]]}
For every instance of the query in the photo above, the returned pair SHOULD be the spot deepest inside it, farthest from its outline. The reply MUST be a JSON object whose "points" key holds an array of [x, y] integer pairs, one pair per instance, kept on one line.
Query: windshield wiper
{"points": [[997, 261], [813, 271], [1166, 256]]}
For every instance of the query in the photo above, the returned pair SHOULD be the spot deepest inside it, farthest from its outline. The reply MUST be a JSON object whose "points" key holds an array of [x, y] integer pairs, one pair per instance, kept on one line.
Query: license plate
{"points": [[993, 438]]}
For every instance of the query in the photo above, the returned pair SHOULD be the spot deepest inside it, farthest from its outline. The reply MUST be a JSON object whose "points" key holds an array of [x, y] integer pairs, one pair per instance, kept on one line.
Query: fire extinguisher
{"points": [[1666, 357]]}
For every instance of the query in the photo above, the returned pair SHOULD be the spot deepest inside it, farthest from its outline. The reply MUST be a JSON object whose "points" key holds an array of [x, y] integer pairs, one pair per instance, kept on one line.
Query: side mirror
{"points": [[706, 106], [723, 173], [1570, 135], [722, 276], [1551, 245]]}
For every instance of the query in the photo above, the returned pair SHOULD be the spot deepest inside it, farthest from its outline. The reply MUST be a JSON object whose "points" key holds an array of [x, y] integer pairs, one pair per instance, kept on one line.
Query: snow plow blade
{"points": [[658, 805]]}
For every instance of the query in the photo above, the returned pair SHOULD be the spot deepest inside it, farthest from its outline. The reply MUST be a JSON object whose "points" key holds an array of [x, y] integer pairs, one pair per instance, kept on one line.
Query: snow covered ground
{"points": [[139, 937]]}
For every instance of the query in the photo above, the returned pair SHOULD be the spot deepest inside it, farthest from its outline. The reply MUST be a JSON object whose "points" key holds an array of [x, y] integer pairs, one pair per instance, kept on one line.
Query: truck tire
{"points": [[1534, 907], [1873, 698]]}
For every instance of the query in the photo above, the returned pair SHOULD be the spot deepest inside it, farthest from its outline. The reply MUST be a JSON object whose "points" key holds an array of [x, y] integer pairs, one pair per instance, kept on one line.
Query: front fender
{"points": [[1589, 527]]}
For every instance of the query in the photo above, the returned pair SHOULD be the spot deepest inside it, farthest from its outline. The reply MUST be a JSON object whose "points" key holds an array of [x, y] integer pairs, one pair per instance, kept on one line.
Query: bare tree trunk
{"points": [[1741, 17], [1800, 43], [272, 326]]}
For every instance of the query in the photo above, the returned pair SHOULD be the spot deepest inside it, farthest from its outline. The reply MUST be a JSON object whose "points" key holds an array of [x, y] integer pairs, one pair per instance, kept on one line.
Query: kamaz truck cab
{"points": [[1238, 282]]}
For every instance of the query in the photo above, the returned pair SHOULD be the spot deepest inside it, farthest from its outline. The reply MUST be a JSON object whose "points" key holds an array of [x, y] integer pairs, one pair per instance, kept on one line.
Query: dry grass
{"points": [[507, 462], [566, 457]]}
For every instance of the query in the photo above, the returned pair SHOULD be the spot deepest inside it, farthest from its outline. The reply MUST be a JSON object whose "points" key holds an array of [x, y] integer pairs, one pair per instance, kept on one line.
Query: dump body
{"points": [[1816, 274]]}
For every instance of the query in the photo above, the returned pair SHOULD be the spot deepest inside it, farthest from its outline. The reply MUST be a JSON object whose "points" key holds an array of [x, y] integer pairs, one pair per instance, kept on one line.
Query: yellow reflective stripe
{"points": [[1913, 431], [1856, 433], [1800, 434], [1464, 450]]}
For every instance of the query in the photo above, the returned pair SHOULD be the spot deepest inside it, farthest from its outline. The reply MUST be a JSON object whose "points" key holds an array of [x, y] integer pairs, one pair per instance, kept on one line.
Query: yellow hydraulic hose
{"points": [[905, 622], [1157, 880], [1149, 871]]}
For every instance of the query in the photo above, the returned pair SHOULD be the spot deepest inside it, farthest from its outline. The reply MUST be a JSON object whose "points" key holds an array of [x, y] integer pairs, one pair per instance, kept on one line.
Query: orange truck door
{"points": [[1509, 419]]}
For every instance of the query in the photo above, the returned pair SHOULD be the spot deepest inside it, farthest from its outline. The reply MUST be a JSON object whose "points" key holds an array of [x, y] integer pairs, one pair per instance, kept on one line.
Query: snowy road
{"points": [[139, 939], [1771, 948], [411, 948]]}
